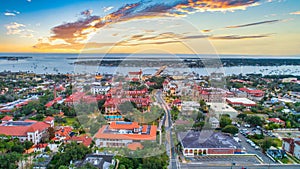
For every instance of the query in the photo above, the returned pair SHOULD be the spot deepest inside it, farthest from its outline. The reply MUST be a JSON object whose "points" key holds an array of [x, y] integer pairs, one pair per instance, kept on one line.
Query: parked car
{"points": [[257, 148], [247, 125]]}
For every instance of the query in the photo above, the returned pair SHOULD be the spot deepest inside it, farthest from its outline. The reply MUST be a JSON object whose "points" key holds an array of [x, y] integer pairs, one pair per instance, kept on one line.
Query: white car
{"points": [[257, 148], [247, 125]]}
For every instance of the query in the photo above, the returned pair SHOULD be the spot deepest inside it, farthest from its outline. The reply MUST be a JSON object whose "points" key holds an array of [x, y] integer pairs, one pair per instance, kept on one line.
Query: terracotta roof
{"points": [[7, 118], [123, 125], [251, 91], [135, 146], [276, 120], [297, 142], [135, 73], [63, 131], [23, 130], [48, 118], [41, 145], [84, 139]]}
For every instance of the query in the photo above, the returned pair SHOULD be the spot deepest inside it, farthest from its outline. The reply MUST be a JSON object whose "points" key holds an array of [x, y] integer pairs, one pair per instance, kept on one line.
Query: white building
{"points": [[100, 89], [222, 108], [27, 130]]}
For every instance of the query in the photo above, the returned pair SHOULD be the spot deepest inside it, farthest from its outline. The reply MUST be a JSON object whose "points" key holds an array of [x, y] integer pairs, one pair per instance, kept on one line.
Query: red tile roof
{"points": [[135, 73], [63, 131], [84, 139], [7, 118], [49, 118], [276, 120], [135, 146], [23, 130], [123, 126]]}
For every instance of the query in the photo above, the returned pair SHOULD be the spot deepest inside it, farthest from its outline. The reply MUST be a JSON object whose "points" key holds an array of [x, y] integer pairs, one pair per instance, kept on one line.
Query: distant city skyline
{"points": [[245, 27]]}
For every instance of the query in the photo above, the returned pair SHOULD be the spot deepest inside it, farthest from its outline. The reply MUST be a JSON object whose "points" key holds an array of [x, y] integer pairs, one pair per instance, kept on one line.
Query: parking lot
{"points": [[251, 149]]}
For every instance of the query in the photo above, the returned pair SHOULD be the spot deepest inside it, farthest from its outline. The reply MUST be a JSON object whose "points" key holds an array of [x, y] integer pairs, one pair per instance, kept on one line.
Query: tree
{"points": [[9, 160], [51, 132], [100, 104], [266, 144], [224, 121], [230, 129], [39, 117], [174, 113], [28, 144], [127, 107], [242, 116], [68, 152], [254, 120]]}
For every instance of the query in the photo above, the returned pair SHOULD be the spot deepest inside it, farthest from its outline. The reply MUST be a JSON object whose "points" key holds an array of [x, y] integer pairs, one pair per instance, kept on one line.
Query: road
{"points": [[168, 127]]}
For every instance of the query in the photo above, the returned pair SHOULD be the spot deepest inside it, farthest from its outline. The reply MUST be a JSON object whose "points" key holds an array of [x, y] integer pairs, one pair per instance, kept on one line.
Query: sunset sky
{"points": [[254, 27]]}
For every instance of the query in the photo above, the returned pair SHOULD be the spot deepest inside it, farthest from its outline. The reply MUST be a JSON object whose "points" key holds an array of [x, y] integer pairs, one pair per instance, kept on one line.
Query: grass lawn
{"points": [[70, 120], [286, 160]]}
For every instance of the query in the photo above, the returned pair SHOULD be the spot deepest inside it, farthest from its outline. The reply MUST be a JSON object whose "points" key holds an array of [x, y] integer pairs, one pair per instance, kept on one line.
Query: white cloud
{"points": [[15, 28], [105, 9], [295, 13], [11, 13]]}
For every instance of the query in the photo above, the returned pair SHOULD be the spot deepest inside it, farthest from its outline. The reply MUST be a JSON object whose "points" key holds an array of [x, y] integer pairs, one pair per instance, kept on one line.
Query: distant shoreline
{"points": [[187, 62]]}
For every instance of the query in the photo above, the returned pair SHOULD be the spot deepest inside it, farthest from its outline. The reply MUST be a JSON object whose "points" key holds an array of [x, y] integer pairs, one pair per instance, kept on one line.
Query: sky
{"points": [[242, 27]]}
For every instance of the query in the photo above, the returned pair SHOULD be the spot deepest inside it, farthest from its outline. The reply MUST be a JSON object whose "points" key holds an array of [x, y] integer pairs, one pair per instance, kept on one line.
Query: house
{"points": [[122, 134], [6, 119], [40, 147], [84, 139], [222, 108], [29, 130], [207, 142], [135, 76], [253, 94], [177, 103], [52, 102], [62, 133], [236, 101], [101, 161], [276, 121]]}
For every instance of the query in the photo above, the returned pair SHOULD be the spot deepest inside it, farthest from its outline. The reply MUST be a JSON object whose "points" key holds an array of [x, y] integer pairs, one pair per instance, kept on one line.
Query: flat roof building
{"points": [[222, 108], [207, 142], [236, 101]]}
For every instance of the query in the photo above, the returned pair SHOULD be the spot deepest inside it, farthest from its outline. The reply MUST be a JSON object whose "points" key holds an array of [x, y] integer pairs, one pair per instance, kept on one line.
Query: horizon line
{"points": [[64, 53]]}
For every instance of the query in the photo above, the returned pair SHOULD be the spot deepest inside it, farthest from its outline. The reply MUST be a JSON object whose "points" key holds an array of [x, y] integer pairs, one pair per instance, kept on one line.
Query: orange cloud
{"points": [[77, 32]]}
